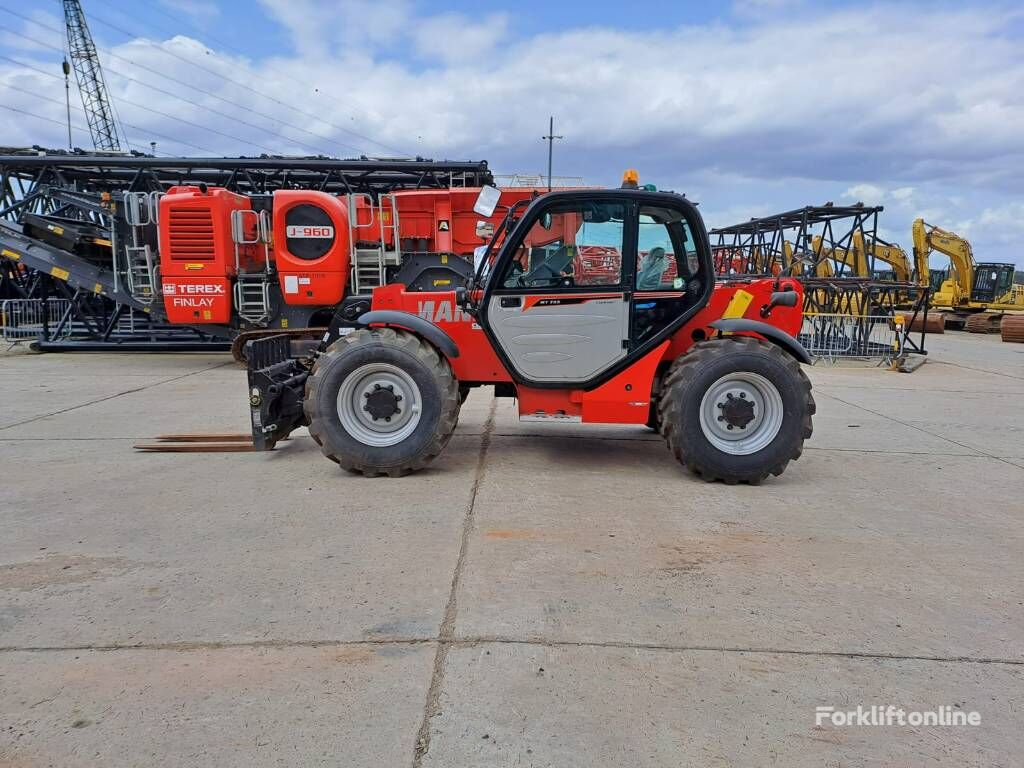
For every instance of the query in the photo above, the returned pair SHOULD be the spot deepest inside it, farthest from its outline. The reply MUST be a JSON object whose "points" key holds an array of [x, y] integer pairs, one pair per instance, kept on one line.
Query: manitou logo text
{"points": [[314, 233], [442, 312]]}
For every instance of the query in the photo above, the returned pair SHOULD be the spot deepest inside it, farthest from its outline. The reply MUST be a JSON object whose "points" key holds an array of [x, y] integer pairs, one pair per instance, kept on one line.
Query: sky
{"points": [[750, 107]]}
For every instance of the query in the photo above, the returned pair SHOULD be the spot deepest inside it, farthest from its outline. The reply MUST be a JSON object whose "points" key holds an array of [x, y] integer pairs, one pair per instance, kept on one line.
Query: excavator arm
{"points": [[856, 258], [927, 238], [895, 257], [851, 261]]}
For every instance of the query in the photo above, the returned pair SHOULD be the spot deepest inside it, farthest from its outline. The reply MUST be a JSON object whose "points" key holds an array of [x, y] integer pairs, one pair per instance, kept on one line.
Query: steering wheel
{"points": [[543, 275]]}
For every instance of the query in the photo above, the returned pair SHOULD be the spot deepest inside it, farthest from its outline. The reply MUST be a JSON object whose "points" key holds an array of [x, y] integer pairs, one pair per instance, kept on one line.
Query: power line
{"points": [[191, 87], [155, 6], [249, 88], [157, 111], [228, 46], [61, 123], [79, 109], [180, 98], [182, 20], [130, 125], [37, 117]]}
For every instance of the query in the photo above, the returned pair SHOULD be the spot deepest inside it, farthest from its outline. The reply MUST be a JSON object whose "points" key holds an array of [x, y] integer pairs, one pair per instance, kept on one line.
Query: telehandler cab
{"points": [[593, 306]]}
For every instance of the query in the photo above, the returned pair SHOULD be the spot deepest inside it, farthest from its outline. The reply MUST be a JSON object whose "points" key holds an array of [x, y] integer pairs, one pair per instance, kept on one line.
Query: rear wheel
{"points": [[381, 401], [736, 409]]}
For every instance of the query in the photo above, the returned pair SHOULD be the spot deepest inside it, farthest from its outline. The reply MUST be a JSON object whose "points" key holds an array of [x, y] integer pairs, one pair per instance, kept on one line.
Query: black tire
{"points": [[693, 374], [417, 359]]}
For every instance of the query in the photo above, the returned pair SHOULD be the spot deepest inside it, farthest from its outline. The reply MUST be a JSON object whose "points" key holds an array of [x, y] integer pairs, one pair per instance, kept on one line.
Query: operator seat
{"points": [[653, 267]]}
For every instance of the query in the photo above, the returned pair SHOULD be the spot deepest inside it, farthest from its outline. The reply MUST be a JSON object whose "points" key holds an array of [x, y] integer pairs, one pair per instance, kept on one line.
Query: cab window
{"points": [[666, 256], [667, 280], [575, 244]]}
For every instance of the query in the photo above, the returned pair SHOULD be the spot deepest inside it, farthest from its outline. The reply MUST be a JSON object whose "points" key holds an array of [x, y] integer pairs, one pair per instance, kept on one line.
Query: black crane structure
{"points": [[82, 51]]}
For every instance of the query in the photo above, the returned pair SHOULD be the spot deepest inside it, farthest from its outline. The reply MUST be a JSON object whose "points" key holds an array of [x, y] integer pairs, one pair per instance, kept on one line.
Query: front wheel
{"points": [[381, 401], [736, 409]]}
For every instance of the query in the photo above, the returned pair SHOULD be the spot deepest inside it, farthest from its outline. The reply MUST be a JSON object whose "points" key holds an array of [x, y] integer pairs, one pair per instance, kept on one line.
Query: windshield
{"points": [[574, 243], [485, 255]]}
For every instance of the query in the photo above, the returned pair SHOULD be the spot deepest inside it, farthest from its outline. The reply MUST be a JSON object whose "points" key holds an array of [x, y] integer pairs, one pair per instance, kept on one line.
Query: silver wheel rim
{"points": [[764, 412], [381, 432]]}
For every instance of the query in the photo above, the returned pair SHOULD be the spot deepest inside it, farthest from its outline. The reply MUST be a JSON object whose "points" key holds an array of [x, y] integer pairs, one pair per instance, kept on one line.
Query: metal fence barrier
{"points": [[831, 337], [22, 319]]}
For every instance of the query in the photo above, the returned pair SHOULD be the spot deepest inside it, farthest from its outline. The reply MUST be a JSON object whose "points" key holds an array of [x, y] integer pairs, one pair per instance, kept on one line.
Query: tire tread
{"points": [[425, 353], [684, 371]]}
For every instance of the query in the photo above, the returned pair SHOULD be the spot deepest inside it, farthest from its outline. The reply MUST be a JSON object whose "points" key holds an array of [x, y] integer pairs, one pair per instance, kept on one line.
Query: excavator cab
{"points": [[991, 281]]}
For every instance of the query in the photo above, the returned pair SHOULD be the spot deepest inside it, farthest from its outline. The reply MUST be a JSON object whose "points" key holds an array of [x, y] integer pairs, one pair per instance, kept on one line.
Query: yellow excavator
{"points": [[856, 261], [971, 294], [890, 264]]}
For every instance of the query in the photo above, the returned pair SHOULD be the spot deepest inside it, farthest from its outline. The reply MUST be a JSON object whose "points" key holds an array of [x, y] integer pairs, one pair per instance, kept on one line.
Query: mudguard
{"points": [[416, 324], [770, 332]]}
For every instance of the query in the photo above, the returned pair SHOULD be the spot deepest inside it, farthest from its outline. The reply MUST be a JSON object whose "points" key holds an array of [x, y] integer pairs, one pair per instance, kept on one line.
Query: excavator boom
{"points": [[976, 294], [856, 261], [956, 289]]}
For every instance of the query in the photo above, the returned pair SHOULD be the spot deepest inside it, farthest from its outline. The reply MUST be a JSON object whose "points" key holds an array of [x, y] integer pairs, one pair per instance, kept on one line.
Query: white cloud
{"points": [[48, 32], [453, 38], [1001, 224], [923, 111], [872, 194], [329, 28]]}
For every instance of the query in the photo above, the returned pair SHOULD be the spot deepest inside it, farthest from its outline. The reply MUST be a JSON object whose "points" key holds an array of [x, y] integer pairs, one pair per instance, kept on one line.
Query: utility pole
{"points": [[550, 139], [67, 97]]}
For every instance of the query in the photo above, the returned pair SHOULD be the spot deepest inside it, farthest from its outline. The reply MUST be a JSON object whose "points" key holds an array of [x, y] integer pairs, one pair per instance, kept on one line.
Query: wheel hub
{"points": [[382, 402], [737, 411], [379, 404], [741, 413]]}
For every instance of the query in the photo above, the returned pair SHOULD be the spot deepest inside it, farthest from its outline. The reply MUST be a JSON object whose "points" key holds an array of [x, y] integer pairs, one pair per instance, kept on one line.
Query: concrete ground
{"points": [[542, 596]]}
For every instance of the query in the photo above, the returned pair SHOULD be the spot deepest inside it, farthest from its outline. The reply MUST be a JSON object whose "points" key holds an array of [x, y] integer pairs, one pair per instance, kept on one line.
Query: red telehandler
{"points": [[639, 335]]}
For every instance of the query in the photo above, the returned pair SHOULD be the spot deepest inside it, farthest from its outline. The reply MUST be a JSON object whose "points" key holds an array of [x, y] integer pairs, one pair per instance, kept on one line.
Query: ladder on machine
{"points": [[252, 289], [370, 258], [141, 210]]}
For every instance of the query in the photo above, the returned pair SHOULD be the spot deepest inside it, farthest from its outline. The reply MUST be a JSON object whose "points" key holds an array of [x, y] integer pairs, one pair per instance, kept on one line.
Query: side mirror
{"points": [[487, 201], [784, 298], [779, 299], [545, 220], [484, 230]]}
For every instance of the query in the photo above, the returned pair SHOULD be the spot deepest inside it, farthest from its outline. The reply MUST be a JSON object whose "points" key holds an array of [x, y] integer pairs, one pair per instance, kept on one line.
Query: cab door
{"points": [[559, 309]]}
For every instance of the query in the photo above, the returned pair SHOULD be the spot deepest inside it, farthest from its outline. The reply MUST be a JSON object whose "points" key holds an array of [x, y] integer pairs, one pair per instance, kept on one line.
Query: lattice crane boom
{"points": [[85, 61]]}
